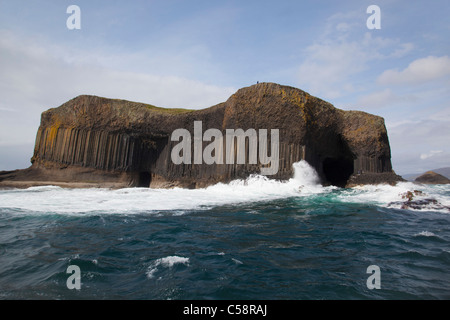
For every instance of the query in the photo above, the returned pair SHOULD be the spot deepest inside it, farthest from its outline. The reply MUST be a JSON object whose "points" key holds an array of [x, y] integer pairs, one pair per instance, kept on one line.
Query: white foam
{"points": [[172, 260], [305, 175], [377, 194], [393, 196], [167, 262], [177, 201], [138, 200], [426, 234], [385, 194]]}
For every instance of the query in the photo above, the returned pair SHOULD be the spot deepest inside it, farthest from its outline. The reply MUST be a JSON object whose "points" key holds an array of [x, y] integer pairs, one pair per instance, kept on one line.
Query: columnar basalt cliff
{"points": [[104, 142]]}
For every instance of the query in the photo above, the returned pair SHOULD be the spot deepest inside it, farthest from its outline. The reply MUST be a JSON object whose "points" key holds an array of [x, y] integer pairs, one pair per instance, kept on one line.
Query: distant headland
{"points": [[91, 141], [431, 177]]}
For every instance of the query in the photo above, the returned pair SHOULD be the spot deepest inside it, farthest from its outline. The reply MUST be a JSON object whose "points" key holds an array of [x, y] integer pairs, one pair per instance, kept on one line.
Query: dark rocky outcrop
{"points": [[431, 177], [92, 140], [420, 204], [423, 203]]}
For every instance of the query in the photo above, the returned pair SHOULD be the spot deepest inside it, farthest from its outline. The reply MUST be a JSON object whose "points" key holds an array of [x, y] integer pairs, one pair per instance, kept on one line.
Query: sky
{"points": [[195, 54]]}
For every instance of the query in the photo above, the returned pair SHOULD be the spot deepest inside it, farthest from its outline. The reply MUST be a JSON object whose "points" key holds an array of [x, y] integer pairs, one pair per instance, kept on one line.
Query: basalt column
{"points": [[97, 140]]}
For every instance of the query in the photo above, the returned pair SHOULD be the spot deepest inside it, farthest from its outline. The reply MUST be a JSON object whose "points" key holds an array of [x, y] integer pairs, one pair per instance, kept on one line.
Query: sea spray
{"points": [[50, 199], [304, 174], [177, 201], [392, 196]]}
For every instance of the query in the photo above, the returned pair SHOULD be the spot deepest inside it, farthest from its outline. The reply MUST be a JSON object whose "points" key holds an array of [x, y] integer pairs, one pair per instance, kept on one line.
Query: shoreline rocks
{"points": [[418, 204]]}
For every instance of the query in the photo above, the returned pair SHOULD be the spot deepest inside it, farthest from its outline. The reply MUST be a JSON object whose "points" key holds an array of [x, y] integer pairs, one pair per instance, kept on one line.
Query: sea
{"points": [[253, 239]]}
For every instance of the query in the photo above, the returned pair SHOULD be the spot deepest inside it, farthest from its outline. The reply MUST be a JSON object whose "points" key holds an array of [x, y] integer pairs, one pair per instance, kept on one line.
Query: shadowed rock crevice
{"points": [[144, 179], [338, 171], [119, 143]]}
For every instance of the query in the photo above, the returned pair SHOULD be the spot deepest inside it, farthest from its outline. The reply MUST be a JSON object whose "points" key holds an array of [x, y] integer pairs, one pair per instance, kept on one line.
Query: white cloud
{"points": [[377, 99], [36, 75], [419, 71], [383, 98], [328, 66], [419, 145], [402, 50], [394, 124], [443, 114], [432, 153], [344, 52], [48, 72]]}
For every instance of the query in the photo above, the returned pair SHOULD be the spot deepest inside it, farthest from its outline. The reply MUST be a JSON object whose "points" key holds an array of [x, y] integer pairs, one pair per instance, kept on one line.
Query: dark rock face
{"points": [[432, 177], [97, 140]]}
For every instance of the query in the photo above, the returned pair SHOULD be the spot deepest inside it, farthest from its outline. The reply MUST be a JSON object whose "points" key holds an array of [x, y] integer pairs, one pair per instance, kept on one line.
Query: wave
{"points": [[305, 183], [166, 262], [52, 199], [429, 236], [425, 234], [394, 196]]}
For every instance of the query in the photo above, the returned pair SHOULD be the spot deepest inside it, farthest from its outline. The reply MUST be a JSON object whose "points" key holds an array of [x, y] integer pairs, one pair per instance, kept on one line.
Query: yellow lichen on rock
{"points": [[298, 98]]}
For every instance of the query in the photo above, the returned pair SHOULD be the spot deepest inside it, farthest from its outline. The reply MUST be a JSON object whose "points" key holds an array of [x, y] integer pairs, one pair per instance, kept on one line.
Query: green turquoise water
{"points": [[256, 239]]}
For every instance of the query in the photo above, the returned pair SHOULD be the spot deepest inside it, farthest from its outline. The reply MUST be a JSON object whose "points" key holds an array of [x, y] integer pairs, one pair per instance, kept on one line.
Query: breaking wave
{"points": [[177, 201], [167, 262]]}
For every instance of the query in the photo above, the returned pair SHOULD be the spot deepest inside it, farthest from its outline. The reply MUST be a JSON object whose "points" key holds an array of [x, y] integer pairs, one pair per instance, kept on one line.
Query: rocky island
{"points": [[91, 141], [431, 177]]}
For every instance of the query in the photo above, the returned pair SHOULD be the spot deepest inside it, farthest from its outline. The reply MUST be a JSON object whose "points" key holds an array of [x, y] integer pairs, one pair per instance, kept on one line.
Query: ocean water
{"points": [[253, 239]]}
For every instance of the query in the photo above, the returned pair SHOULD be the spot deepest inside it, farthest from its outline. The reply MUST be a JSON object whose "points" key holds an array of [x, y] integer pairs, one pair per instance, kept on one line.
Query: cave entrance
{"points": [[338, 171], [144, 179]]}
